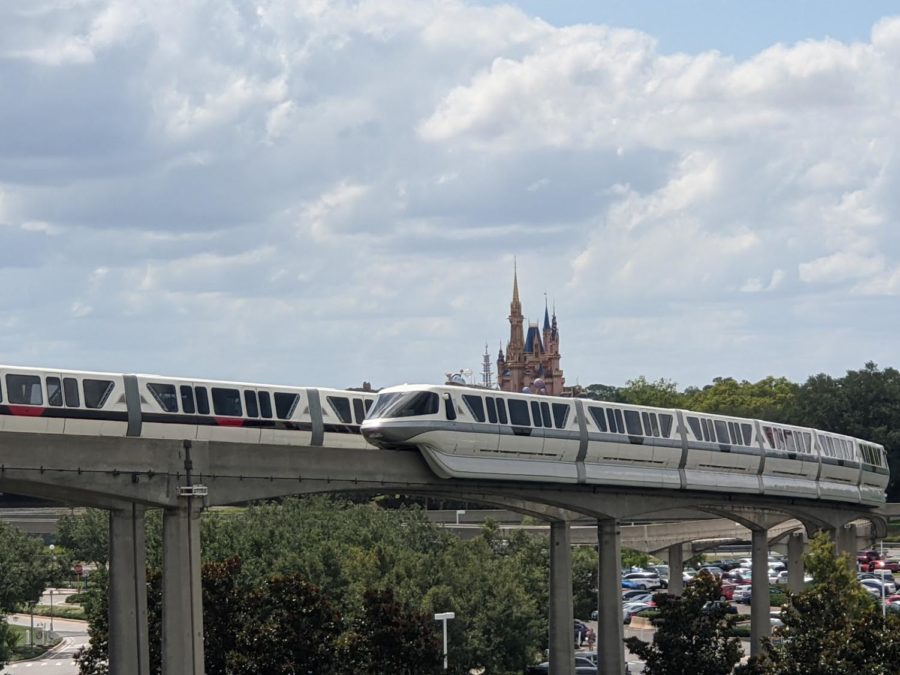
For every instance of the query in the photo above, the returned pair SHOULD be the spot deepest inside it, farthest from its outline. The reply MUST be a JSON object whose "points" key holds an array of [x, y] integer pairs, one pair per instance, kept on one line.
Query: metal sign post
{"points": [[444, 617]]}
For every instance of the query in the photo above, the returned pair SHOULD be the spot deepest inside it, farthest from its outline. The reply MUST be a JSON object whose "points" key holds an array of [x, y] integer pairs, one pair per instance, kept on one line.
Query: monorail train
{"points": [[468, 432], [150, 406]]}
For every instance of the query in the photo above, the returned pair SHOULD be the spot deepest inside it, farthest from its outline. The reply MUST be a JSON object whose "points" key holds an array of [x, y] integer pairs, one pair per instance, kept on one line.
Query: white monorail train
{"points": [[150, 406], [479, 433]]}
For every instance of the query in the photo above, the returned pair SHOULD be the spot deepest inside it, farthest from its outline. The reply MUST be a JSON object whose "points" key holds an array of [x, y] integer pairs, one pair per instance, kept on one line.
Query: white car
{"points": [[742, 593], [648, 580]]}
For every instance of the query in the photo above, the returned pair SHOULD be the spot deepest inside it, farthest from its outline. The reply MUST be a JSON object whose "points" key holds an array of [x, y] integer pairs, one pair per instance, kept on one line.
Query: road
{"points": [[60, 660]]}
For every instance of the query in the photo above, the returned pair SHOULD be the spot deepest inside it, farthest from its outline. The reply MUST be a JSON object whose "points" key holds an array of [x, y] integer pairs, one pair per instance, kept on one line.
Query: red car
{"points": [[892, 565], [728, 591]]}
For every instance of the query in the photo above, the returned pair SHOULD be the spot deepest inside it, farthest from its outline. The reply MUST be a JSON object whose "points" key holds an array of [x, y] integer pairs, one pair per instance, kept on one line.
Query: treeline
{"points": [[321, 585], [863, 403]]}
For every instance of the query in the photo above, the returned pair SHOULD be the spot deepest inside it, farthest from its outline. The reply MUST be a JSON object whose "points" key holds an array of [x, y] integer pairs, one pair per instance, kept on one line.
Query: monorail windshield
{"points": [[405, 404]]}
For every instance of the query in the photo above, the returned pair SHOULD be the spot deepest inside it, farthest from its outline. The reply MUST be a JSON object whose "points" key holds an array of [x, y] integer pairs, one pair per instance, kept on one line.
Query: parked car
{"points": [[583, 666], [649, 580], [728, 591], [746, 596], [636, 595], [892, 565], [632, 608], [742, 593], [712, 569]]}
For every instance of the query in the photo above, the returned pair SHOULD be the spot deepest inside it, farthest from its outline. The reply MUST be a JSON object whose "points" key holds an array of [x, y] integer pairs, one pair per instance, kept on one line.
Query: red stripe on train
{"points": [[26, 410], [229, 421]]}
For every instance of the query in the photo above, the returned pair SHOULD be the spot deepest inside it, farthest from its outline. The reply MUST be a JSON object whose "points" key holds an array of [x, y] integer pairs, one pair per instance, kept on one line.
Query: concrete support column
{"points": [[610, 629], [128, 647], [676, 569], [760, 625], [795, 562], [182, 611], [562, 651], [845, 540]]}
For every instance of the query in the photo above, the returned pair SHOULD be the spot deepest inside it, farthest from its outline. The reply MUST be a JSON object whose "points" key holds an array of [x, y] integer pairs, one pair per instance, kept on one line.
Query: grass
{"points": [[22, 649], [59, 611]]}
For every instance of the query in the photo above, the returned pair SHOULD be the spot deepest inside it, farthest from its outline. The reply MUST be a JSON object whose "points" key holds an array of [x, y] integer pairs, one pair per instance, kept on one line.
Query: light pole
{"points": [[53, 562], [459, 512], [443, 617]]}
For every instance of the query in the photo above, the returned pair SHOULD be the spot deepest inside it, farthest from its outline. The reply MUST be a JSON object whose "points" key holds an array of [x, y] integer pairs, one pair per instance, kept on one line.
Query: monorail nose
{"points": [[387, 436]]}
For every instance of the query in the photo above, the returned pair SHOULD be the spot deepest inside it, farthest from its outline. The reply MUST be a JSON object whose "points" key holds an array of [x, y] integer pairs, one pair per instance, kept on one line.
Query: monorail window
{"points": [[1, 394], [654, 425], [722, 432], [599, 415], [665, 425], [250, 403], [560, 415], [24, 389], [164, 395], [536, 414], [518, 413], [369, 403], [54, 392], [227, 402], [501, 411], [265, 405], [545, 413], [475, 406], [633, 423], [449, 408], [645, 418], [779, 438], [359, 410], [202, 400], [340, 405], [611, 418], [285, 404], [96, 392], [619, 423], [411, 404], [70, 392], [187, 399], [790, 441], [694, 424], [491, 409], [382, 403], [806, 441]]}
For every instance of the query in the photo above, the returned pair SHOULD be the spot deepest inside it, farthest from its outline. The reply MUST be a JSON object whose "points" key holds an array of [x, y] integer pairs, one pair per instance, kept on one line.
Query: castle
{"points": [[532, 359]]}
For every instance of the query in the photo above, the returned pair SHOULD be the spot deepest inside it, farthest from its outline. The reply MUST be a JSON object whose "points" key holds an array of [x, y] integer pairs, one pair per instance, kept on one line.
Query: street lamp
{"points": [[444, 617], [53, 561], [459, 512]]}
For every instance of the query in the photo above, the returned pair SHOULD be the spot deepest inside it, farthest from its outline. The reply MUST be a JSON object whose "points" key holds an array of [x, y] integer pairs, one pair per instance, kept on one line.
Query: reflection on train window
{"points": [[560, 414], [24, 389], [633, 423], [70, 391], [611, 418], [227, 402], [54, 391], [722, 432], [265, 405], [665, 424], [599, 415], [491, 409], [501, 411], [187, 399], [518, 413], [358, 410], [369, 403], [536, 413], [202, 400], [645, 418], [285, 404], [340, 405], [164, 395], [545, 413], [96, 392], [383, 403], [475, 406], [449, 408], [250, 403], [694, 424], [654, 425], [619, 423]]}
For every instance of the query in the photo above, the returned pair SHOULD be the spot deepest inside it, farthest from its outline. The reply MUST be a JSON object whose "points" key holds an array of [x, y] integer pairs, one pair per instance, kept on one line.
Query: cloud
{"points": [[331, 192]]}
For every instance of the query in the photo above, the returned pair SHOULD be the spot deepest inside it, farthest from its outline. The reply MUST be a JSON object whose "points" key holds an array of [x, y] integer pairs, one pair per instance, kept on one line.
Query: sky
{"points": [[324, 193]]}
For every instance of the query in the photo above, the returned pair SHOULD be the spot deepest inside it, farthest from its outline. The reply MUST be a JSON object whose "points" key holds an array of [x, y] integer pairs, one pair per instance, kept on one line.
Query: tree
{"points": [[694, 634], [390, 637], [661, 394], [833, 627], [85, 535], [772, 398]]}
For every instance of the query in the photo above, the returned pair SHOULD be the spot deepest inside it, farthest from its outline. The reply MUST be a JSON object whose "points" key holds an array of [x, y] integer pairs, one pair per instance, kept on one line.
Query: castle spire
{"points": [[546, 314], [515, 305]]}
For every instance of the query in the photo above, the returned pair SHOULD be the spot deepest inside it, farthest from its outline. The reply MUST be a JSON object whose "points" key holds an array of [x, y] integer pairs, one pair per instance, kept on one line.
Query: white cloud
{"points": [[275, 178]]}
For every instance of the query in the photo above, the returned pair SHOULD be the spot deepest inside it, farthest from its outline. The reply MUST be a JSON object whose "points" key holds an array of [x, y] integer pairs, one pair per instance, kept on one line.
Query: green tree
{"points": [[694, 633], [662, 393], [772, 398], [390, 637], [833, 627], [603, 392], [85, 535]]}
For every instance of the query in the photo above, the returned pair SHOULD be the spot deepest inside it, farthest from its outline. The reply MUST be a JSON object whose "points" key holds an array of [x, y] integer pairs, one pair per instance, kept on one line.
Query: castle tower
{"points": [[530, 356]]}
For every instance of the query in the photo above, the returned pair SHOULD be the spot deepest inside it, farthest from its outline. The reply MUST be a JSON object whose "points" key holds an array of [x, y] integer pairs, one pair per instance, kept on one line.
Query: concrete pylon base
{"points": [[128, 645], [182, 620]]}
